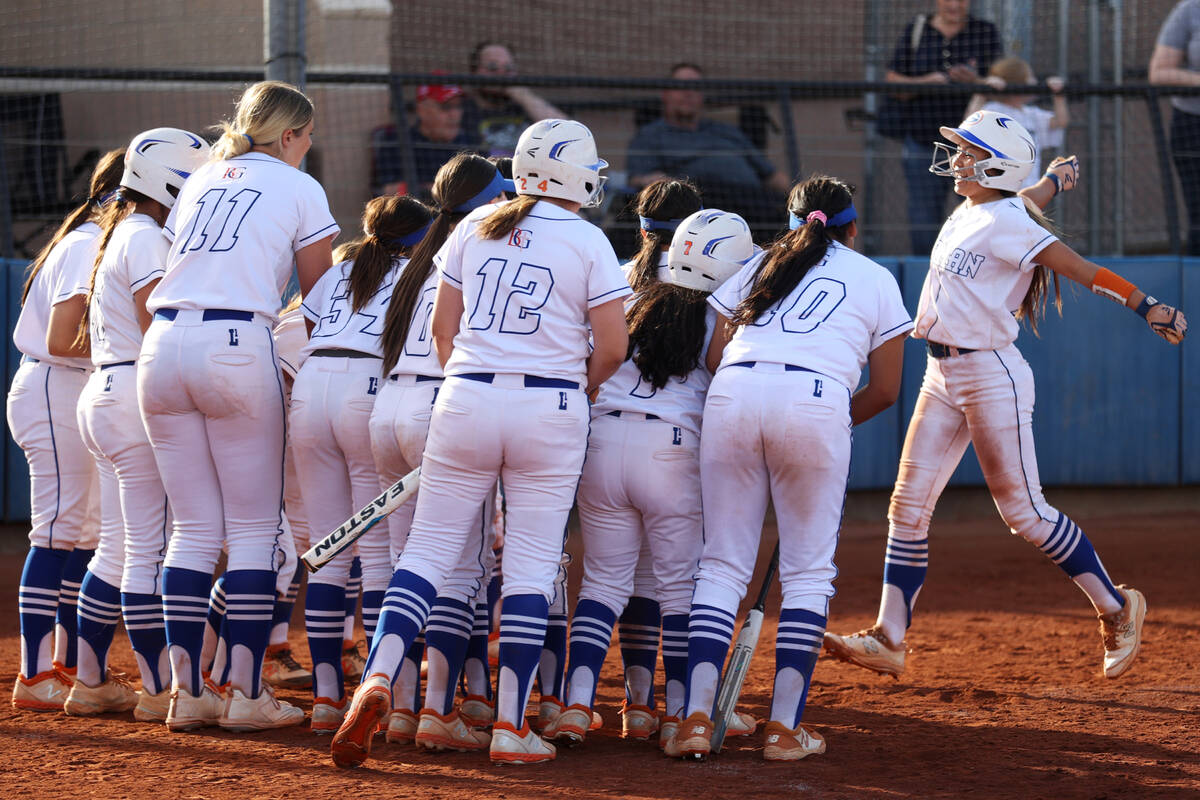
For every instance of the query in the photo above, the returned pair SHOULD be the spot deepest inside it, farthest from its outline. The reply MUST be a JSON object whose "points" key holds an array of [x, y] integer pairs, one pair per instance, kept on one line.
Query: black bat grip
{"points": [[761, 602]]}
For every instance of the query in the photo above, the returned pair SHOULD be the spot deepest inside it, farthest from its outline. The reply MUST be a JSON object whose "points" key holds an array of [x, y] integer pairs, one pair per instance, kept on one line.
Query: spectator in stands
{"points": [[730, 172], [1176, 62], [495, 116], [950, 46], [436, 138]]}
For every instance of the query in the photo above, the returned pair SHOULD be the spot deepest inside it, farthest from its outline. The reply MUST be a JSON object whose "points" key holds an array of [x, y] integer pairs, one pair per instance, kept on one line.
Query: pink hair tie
{"points": [[817, 215]]}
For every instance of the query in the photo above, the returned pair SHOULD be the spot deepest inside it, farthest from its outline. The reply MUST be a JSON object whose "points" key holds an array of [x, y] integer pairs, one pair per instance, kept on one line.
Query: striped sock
{"points": [[710, 630], [1069, 547], [371, 601], [674, 658], [185, 608], [66, 630], [591, 633], [904, 567], [551, 670], [213, 622], [406, 689], [98, 613], [402, 616], [353, 590], [476, 668], [281, 618], [797, 644], [494, 587], [249, 603], [37, 605], [638, 636], [143, 614], [522, 633], [324, 612], [446, 636]]}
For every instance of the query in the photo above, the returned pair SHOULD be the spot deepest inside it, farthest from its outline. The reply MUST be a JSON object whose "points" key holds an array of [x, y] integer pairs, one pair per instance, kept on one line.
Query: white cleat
{"points": [[190, 712], [114, 694], [401, 727], [1122, 633], [152, 707], [781, 744], [248, 714], [870, 649], [328, 714], [512, 746]]}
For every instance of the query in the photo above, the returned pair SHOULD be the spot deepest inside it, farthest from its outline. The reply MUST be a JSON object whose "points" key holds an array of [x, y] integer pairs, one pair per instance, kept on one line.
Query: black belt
{"points": [[786, 367], [420, 378], [648, 416], [531, 381], [31, 360], [939, 350], [210, 315], [334, 352], [118, 364]]}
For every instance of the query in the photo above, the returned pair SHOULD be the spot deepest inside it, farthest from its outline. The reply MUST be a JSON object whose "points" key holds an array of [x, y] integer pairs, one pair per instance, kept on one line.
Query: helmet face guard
{"points": [[1011, 153]]}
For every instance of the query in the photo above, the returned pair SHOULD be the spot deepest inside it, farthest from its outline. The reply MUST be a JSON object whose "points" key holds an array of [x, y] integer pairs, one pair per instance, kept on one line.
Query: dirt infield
{"points": [[1002, 697]]}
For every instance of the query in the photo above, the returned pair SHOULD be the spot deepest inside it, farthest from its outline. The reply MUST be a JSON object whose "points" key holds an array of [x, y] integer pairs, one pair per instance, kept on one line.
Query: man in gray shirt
{"points": [[1176, 62]]}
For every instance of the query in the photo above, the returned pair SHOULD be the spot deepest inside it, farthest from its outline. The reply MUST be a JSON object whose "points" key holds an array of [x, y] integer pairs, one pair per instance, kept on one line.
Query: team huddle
{"points": [[174, 408]]}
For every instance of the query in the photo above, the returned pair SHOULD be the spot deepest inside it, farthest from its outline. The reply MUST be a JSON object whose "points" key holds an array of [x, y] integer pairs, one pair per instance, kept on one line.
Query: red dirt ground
{"points": [[1002, 697]]}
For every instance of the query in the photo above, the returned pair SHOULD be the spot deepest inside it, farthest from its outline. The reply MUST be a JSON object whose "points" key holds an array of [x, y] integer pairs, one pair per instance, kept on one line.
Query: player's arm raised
{"points": [[611, 339], [447, 314]]}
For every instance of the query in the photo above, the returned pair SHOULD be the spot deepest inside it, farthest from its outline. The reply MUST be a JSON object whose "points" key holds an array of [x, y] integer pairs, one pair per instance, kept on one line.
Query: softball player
{"points": [[795, 328], [641, 480], [209, 383], [992, 251], [41, 419], [399, 427], [518, 287], [331, 406], [124, 576]]}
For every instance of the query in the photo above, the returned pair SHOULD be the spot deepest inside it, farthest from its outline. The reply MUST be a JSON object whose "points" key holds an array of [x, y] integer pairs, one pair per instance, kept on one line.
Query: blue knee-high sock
{"points": [[68, 600], [249, 602], [143, 614], [476, 668], [37, 605], [185, 610], [552, 664], [522, 634], [353, 590], [591, 632], [710, 630], [324, 613], [904, 567], [281, 617], [371, 603], [413, 658], [1070, 548], [493, 591], [214, 622], [405, 608], [98, 614], [675, 661], [638, 635], [797, 644], [447, 632]]}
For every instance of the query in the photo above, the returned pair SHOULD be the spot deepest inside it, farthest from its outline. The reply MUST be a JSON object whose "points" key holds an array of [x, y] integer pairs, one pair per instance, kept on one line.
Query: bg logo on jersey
{"points": [[520, 237], [234, 173]]}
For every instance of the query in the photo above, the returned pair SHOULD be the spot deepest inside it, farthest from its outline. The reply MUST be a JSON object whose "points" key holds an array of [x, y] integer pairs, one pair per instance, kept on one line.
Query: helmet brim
{"points": [[960, 136]]}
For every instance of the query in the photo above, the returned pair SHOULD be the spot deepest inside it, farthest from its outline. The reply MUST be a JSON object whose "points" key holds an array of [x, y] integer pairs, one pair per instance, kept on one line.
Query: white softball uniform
{"points": [[290, 340], [42, 400], [331, 407], [777, 425], [640, 486], [209, 383], [131, 555], [512, 405]]}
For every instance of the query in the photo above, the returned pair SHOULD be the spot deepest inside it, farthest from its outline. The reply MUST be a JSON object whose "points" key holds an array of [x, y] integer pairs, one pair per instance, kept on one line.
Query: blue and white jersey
{"points": [[527, 296], [65, 273], [134, 258], [335, 324], [846, 306], [419, 356], [235, 230]]}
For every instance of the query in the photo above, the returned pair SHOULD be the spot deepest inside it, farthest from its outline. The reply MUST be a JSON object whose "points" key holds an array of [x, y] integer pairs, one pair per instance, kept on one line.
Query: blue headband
{"points": [[409, 239], [498, 184], [843, 217], [655, 225]]}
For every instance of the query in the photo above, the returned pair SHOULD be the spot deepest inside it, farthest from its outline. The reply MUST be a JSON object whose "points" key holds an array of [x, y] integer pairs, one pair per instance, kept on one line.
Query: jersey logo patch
{"points": [[233, 337], [234, 173], [520, 237], [562, 401]]}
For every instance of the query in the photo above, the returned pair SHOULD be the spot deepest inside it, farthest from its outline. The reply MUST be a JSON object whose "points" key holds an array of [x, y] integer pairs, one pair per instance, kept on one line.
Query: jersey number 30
{"points": [[812, 307], [512, 295]]}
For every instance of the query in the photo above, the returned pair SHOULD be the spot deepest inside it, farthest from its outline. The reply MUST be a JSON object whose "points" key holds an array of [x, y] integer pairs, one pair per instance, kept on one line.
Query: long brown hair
{"points": [[789, 259], [106, 177], [112, 215], [1033, 305], [666, 332], [458, 181], [661, 201], [385, 221]]}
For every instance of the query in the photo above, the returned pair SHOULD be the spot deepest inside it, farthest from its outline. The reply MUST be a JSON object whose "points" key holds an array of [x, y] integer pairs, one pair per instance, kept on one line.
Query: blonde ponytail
{"points": [[264, 111]]}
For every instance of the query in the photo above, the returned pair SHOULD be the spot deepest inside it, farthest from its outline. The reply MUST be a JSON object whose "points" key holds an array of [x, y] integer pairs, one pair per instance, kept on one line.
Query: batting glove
{"points": [[1064, 172]]}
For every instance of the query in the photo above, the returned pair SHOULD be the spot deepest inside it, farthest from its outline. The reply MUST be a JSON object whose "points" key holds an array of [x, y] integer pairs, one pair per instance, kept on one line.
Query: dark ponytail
{"points": [[666, 332], [386, 221], [112, 214], [458, 181], [789, 259], [661, 201]]}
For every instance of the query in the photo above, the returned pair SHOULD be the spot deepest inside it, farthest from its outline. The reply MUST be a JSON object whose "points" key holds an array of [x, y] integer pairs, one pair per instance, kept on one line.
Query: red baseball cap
{"points": [[439, 92]]}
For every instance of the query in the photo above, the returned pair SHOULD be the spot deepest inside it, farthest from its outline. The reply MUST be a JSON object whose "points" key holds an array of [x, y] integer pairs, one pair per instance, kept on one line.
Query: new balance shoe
{"points": [[782, 744], [549, 707], [571, 726], [448, 732], [189, 712], [283, 671], [668, 728], [152, 707], [244, 714], [46, 691], [477, 711], [869, 648], [693, 740], [638, 722], [372, 701], [401, 727], [114, 694], [327, 714], [1122, 633], [741, 724], [597, 721], [353, 662], [512, 746]]}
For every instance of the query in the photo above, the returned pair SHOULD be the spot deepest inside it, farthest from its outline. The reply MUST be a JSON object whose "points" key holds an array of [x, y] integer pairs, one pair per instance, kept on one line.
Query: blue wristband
{"points": [[1144, 307], [1057, 182]]}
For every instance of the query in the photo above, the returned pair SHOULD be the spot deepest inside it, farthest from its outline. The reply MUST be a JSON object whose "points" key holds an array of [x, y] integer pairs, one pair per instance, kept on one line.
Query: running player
{"points": [[41, 419], [795, 328], [211, 393], [518, 287], [993, 250]]}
